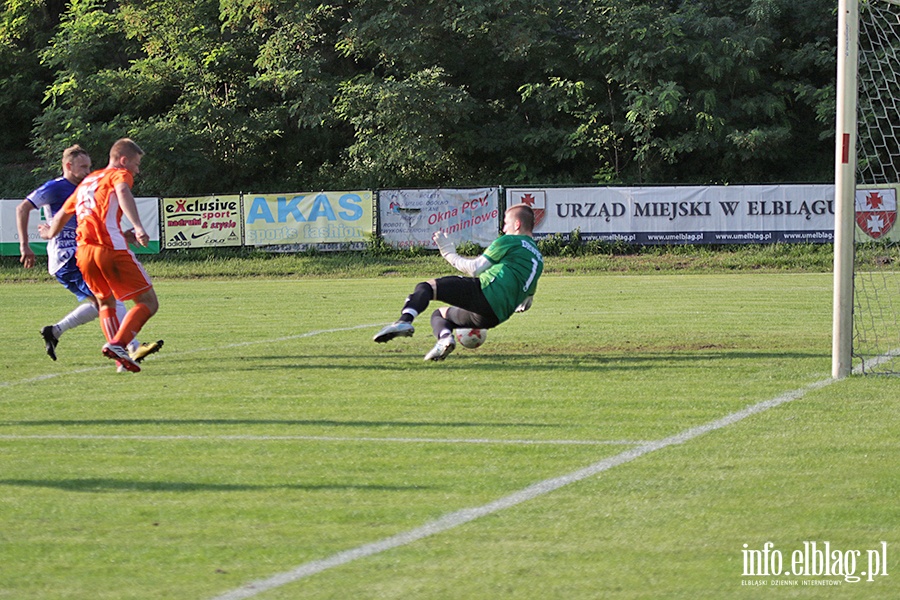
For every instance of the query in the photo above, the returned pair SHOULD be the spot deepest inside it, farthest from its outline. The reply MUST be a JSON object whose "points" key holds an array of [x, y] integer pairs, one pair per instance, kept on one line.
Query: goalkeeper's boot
{"points": [[442, 349], [120, 355], [398, 329], [50, 341], [145, 350]]}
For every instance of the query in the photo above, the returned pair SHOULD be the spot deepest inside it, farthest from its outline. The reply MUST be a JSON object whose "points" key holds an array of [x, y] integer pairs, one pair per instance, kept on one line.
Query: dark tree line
{"points": [[278, 95]]}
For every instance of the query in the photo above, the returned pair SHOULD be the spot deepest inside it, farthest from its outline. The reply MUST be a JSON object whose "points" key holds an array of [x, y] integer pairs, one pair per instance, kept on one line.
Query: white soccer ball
{"points": [[470, 338]]}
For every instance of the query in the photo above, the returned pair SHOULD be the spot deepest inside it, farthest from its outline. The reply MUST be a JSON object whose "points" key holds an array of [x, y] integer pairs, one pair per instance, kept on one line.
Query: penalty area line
{"points": [[541, 488]]}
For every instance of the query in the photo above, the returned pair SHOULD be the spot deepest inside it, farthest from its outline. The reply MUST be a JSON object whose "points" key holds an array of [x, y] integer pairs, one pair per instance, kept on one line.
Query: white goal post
{"points": [[866, 310], [844, 187]]}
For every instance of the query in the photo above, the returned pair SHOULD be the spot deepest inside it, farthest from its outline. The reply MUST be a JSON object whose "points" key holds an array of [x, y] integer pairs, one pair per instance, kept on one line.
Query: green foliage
{"points": [[571, 245], [377, 246], [552, 245], [404, 130], [707, 94], [25, 27], [254, 95], [469, 249]]}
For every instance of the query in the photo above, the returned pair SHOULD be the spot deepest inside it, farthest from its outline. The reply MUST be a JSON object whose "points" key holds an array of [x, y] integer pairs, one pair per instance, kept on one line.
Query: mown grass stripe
{"points": [[287, 338], [461, 517], [318, 438]]}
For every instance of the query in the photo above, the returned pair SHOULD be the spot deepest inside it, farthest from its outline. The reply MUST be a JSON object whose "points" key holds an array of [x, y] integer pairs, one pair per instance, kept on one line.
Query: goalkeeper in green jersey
{"points": [[498, 283]]}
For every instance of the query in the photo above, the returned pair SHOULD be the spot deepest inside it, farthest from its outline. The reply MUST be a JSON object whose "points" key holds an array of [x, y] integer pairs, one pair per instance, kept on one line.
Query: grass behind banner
{"points": [[271, 431]]}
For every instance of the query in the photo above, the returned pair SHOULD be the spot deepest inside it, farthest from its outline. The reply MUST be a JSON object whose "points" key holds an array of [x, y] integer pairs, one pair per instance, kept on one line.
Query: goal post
{"points": [[866, 311], [844, 187]]}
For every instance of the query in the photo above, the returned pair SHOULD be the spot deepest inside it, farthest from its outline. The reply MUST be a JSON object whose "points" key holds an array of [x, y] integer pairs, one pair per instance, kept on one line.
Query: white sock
{"points": [[85, 313], [121, 311]]}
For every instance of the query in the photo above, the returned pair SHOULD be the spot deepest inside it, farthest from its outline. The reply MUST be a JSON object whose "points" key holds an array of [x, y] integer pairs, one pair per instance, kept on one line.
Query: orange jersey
{"points": [[96, 205]]}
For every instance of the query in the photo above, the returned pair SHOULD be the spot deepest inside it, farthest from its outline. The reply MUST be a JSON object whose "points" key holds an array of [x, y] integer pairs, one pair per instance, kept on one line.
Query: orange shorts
{"points": [[111, 272]]}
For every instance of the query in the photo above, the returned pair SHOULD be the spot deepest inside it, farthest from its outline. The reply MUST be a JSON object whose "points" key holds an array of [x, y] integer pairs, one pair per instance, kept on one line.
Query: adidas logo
{"points": [[179, 240]]}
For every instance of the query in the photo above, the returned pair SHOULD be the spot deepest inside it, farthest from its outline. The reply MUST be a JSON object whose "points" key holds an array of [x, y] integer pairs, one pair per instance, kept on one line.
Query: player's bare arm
{"points": [[129, 208], [48, 232], [26, 254]]}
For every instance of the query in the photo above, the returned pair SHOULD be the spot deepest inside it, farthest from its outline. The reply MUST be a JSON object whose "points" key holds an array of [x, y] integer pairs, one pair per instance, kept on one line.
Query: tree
{"points": [[267, 95], [710, 91], [164, 73], [425, 93], [25, 27]]}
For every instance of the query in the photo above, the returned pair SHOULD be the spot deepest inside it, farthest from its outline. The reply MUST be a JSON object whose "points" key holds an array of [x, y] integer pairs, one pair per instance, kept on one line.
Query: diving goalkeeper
{"points": [[499, 282]]}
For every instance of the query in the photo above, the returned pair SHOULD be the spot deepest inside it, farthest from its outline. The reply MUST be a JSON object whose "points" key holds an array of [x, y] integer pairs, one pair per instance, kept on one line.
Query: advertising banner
{"points": [[409, 217], [684, 214], [202, 222], [295, 222], [148, 208]]}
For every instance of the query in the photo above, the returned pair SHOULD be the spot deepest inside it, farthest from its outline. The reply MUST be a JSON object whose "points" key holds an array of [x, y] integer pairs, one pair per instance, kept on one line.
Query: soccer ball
{"points": [[470, 338]]}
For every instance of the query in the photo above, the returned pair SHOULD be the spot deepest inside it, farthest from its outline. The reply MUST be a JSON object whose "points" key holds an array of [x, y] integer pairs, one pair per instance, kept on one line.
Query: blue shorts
{"points": [[70, 277]]}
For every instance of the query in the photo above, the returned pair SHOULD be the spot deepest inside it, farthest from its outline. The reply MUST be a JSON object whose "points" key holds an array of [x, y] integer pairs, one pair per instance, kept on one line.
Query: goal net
{"points": [[876, 279]]}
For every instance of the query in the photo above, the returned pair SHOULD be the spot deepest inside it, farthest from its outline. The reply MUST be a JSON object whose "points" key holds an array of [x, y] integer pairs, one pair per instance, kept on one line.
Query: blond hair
{"points": [[73, 152]]}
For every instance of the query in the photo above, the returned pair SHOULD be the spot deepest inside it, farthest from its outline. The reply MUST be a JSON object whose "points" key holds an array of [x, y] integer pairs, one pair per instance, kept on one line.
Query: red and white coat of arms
{"points": [[876, 211], [536, 199]]}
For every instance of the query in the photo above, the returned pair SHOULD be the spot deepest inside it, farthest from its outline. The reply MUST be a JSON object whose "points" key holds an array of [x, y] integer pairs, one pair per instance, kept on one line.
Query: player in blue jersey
{"points": [[76, 164], [499, 282]]}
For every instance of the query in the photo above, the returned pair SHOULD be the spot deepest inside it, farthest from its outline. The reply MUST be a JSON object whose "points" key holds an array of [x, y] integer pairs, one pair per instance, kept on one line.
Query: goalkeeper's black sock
{"points": [[440, 325], [416, 302]]}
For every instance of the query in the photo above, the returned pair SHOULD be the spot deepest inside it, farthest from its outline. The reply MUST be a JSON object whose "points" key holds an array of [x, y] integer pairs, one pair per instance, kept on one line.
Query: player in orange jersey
{"points": [[109, 267]]}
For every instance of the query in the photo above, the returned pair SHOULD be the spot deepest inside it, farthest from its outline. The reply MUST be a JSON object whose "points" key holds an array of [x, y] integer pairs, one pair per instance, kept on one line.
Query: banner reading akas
{"points": [[308, 219]]}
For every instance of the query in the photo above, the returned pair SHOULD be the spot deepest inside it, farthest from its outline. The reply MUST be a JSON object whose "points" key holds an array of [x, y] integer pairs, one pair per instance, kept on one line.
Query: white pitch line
{"points": [[318, 438], [194, 351], [461, 517], [878, 360], [286, 338]]}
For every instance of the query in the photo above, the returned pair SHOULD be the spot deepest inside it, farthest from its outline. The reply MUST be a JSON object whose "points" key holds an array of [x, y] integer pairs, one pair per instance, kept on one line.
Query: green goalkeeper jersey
{"points": [[516, 266]]}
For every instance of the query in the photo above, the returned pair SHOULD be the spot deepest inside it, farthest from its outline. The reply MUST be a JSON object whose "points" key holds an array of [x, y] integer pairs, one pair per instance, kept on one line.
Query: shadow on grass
{"points": [[241, 422], [117, 485], [549, 360]]}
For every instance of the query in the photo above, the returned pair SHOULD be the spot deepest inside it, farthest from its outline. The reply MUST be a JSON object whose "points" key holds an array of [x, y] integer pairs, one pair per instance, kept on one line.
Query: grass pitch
{"points": [[271, 432]]}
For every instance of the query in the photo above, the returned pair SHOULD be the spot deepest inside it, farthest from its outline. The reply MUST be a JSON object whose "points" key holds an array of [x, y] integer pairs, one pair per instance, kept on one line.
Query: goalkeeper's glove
{"points": [[443, 243], [526, 304]]}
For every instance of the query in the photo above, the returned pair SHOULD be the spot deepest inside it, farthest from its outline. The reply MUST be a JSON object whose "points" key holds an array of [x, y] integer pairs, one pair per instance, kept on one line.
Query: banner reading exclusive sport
{"points": [[684, 214], [202, 222]]}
